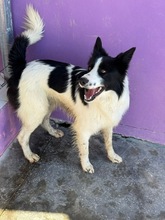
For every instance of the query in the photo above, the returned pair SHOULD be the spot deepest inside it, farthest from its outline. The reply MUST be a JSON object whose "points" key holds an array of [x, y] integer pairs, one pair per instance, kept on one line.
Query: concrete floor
{"points": [[56, 188]]}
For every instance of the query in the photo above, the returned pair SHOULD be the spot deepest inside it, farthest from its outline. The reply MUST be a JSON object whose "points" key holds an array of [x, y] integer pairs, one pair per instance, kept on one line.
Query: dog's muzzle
{"points": [[90, 93]]}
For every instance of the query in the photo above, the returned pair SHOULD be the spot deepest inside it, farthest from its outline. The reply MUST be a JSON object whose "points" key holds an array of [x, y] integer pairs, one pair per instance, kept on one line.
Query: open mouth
{"points": [[91, 94]]}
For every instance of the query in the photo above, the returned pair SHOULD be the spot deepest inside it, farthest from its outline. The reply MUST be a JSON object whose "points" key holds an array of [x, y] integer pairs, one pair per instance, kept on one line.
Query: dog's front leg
{"points": [[82, 141], [107, 134]]}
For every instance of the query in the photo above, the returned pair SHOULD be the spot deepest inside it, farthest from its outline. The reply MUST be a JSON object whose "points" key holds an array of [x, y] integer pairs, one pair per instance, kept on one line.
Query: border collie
{"points": [[96, 98]]}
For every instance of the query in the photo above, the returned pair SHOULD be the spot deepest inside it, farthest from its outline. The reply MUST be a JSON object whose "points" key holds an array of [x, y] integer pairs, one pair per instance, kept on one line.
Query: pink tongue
{"points": [[90, 92]]}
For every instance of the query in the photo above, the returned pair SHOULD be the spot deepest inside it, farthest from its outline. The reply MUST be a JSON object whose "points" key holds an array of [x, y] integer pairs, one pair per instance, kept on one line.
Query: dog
{"points": [[96, 97]]}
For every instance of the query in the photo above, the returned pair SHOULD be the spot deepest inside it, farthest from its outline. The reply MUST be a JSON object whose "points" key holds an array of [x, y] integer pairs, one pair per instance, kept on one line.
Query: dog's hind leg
{"points": [[52, 131], [31, 118], [107, 134], [23, 139]]}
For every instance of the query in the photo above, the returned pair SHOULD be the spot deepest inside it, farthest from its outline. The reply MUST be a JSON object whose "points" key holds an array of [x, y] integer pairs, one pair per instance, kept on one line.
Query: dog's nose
{"points": [[83, 81]]}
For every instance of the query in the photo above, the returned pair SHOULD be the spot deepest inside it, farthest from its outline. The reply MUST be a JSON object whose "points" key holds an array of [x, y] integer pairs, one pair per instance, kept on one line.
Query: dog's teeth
{"points": [[87, 98], [98, 90]]}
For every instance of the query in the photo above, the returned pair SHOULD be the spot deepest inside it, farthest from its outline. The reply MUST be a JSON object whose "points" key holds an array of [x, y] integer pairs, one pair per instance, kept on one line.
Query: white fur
{"points": [[37, 101], [94, 79], [33, 25]]}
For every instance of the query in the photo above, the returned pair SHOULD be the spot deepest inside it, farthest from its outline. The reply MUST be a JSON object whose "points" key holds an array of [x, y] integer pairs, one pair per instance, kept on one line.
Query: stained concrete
{"points": [[57, 188]]}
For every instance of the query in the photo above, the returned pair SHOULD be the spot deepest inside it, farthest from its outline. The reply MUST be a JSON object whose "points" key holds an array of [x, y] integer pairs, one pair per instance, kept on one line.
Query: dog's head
{"points": [[105, 72]]}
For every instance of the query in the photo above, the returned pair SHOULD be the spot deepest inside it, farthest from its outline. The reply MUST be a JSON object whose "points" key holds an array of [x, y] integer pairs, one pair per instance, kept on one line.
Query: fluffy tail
{"points": [[33, 25], [33, 32]]}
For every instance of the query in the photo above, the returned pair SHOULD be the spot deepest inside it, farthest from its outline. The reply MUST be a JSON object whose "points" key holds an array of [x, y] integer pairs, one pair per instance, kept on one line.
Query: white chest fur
{"points": [[105, 111]]}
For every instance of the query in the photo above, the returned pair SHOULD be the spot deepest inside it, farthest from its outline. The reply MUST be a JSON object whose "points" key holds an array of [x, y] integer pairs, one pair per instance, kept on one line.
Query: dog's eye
{"points": [[103, 71]]}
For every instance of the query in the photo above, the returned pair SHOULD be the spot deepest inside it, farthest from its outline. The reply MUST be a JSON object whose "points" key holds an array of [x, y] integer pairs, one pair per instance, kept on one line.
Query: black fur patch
{"points": [[58, 78], [113, 79], [17, 63]]}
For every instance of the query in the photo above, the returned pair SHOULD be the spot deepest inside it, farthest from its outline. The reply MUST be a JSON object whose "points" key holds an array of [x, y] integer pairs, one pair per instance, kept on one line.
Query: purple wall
{"points": [[1, 65], [9, 127], [70, 32]]}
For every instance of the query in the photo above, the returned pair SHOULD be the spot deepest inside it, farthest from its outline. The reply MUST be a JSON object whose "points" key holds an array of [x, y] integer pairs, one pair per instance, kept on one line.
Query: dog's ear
{"points": [[123, 59], [98, 44], [126, 56], [98, 50]]}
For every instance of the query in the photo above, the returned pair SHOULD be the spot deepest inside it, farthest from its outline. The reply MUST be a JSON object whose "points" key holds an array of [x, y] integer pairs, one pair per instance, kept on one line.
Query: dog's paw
{"points": [[58, 133], [88, 168], [32, 158], [115, 158]]}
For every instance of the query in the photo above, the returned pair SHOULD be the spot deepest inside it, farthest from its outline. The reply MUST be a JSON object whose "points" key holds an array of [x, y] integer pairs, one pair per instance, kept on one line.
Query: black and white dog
{"points": [[96, 98]]}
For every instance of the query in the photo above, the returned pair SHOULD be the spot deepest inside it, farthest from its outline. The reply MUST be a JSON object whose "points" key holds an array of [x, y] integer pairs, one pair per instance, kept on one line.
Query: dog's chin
{"points": [[91, 94]]}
